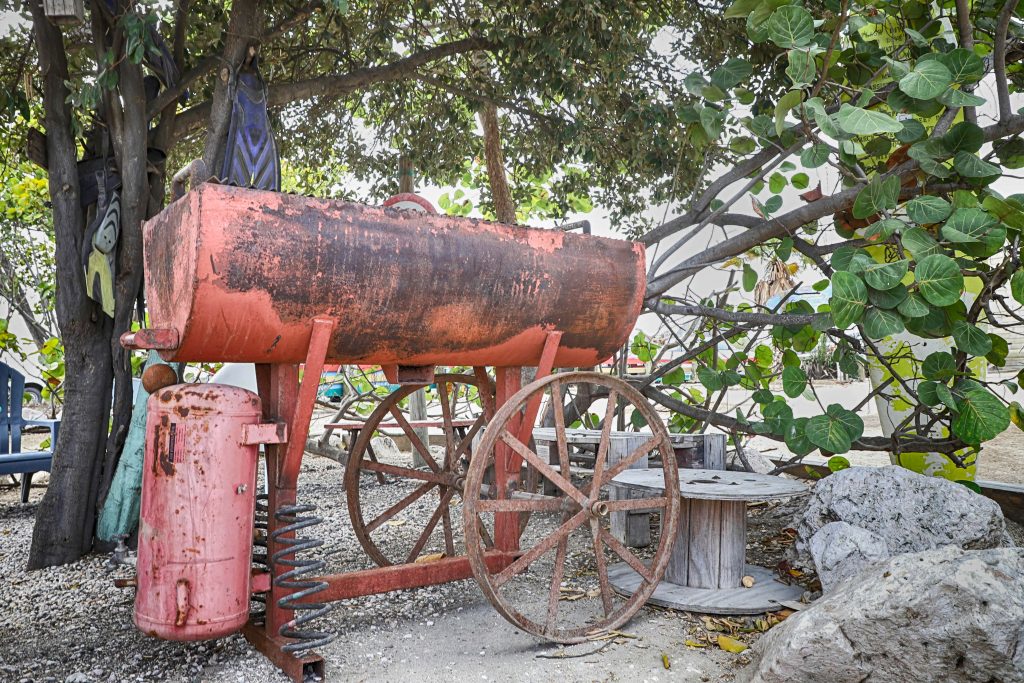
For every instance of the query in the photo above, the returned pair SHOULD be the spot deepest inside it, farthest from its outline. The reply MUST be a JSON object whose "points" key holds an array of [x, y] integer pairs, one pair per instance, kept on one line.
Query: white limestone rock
{"points": [[948, 615]]}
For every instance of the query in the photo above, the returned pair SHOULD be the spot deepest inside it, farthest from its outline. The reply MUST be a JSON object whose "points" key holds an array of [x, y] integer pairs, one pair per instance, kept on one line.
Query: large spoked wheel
{"points": [[557, 586], [421, 522]]}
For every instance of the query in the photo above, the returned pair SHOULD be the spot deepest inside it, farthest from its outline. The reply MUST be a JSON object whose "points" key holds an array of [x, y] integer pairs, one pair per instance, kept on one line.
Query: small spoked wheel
{"points": [[421, 521], [555, 583]]}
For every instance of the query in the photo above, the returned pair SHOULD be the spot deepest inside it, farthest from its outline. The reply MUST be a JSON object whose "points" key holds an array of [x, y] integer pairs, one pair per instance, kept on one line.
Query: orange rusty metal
{"points": [[239, 275]]}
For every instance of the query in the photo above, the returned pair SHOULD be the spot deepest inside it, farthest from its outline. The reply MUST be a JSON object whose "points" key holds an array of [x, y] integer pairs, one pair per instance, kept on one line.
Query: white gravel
{"points": [[71, 624]]}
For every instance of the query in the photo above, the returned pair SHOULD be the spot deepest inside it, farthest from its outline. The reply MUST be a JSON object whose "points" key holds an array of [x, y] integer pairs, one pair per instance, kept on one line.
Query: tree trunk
{"points": [[66, 515], [244, 29], [504, 207]]}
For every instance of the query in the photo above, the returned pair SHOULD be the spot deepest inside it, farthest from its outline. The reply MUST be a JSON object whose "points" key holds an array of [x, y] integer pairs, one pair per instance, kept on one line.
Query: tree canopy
{"points": [[904, 111]]}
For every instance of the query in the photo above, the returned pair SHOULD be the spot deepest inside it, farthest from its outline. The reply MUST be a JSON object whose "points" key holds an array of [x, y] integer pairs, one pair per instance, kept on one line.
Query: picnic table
{"points": [[708, 562]]}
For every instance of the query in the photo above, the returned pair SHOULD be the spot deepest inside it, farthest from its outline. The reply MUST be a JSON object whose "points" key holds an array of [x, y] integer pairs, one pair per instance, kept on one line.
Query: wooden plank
{"points": [[705, 539], [1009, 496], [634, 527], [677, 569], [733, 552], [714, 451]]}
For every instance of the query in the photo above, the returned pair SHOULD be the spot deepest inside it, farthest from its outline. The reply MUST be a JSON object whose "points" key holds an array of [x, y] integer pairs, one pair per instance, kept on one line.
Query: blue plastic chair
{"points": [[12, 459]]}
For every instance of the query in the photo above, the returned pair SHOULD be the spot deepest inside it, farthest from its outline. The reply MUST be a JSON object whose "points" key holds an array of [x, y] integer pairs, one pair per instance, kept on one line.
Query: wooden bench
{"points": [[13, 460]]}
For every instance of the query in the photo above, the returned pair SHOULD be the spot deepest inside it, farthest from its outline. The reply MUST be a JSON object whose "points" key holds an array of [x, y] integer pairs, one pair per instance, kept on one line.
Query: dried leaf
{"points": [[430, 557], [664, 661], [694, 643], [812, 195], [730, 644], [395, 522]]}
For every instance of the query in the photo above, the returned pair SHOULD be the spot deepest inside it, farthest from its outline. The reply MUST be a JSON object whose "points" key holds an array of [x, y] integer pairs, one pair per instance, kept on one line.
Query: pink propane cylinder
{"points": [[196, 526]]}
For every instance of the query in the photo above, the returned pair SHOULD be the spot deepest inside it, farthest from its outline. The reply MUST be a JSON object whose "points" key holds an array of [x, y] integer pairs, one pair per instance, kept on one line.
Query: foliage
{"points": [[900, 106]]}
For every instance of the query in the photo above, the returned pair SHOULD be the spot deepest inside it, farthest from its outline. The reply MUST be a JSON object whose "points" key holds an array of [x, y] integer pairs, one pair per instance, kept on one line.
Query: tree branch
{"points": [[337, 85], [999, 58]]}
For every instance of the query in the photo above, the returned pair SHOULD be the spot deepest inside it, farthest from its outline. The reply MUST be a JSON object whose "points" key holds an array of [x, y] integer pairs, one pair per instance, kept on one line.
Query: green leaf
{"points": [[970, 166], [849, 299], [711, 379], [912, 130], [773, 204], [777, 183], [920, 243], [791, 26], [968, 225], [981, 417], [796, 437], [732, 73], [880, 323], [800, 181], [927, 392], [741, 8], [945, 396], [837, 463], [1017, 287], [850, 258], [927, 209], [857, 121], [879, 194], [954, 98], [802, 69], [886, 275], [790, 359], [1017, 414], [1000, 350], [971, 339], [926, 80], [786, 103], [964, 66], [749, 277], [794, 381], [785, 248], [939, 280], [964, 137], [814, 156], [887, 298], [939, 365], [828, 433], [913, 307], [883, 229]]}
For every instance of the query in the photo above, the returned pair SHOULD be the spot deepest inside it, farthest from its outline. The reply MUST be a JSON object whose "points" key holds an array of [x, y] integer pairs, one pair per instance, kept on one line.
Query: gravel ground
{"points": [[71, 624]]}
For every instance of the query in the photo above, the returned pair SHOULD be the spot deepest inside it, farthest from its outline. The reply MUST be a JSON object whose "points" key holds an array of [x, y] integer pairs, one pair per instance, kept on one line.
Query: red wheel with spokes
{"points": [[394, 533], [557, 586]]}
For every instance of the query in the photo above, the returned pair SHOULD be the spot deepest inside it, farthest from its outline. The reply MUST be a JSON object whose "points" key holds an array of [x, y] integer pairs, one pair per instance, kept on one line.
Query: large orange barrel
{"points": [[239, 275], [196, 520]]}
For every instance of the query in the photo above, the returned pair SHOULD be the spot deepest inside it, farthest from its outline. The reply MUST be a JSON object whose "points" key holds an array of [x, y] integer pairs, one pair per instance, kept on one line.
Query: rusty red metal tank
{"points": [[196, 522], [238, 275]]}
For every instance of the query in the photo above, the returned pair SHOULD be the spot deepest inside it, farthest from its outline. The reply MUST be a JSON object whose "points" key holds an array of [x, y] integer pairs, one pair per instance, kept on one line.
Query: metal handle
{"points": [[155, 338], [195, 172]]}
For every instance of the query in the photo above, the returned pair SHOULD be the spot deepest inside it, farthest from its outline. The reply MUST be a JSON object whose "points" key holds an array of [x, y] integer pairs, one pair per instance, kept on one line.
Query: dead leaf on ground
{"points": [[730, 644]]}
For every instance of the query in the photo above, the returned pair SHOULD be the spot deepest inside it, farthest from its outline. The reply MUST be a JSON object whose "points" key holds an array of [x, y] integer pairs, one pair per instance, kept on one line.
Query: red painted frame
{"points": [[286, 400]]}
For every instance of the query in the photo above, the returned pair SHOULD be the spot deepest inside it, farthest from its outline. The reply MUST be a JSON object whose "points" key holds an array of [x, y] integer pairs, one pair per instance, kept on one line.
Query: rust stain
{"points": [[487, 292]]}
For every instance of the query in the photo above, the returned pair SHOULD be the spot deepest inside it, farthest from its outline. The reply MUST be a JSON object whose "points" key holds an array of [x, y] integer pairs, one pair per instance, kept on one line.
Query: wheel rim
{"points": [[437, 486], [568, 545]]}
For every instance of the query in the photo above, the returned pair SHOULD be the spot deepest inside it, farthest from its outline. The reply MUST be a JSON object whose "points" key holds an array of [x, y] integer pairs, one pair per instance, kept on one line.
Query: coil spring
{"points": [[304, 612], [259, 554]]}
